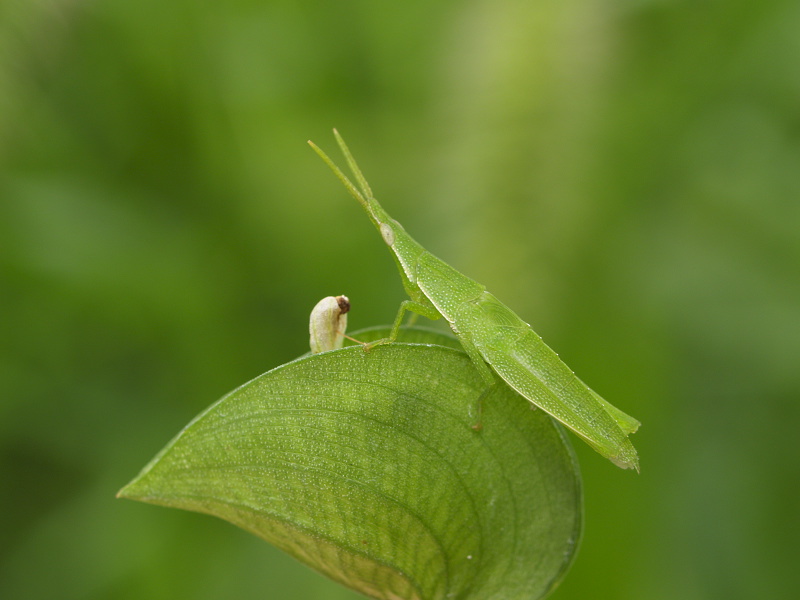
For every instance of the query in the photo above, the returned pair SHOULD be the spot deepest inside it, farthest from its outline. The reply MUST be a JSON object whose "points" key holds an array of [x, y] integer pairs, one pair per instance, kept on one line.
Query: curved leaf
{"points": [[366, 467]]}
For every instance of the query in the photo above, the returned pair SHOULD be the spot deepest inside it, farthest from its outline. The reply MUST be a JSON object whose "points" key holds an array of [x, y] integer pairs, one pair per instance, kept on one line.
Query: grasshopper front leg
{"points": [[406, 306], [417, 309]]}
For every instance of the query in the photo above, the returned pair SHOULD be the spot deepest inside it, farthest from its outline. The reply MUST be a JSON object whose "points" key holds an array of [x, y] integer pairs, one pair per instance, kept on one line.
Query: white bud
{"points": [[328, 323]]}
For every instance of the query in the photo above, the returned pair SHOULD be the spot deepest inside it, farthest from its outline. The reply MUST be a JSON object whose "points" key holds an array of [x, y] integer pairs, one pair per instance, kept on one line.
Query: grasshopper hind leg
{"points": [[484, 371]]}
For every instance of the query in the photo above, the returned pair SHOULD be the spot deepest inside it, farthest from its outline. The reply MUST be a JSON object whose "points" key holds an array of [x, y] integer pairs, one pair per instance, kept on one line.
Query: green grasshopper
{"points": [[493, 336]]}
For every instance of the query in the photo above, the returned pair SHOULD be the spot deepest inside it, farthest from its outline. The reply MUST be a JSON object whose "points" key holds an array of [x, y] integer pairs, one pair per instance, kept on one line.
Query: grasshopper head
{"points": [[363, 193]]}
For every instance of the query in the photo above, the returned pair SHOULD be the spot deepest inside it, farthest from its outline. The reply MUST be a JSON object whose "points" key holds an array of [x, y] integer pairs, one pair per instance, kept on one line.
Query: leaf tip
{"points": [[132, 490]]}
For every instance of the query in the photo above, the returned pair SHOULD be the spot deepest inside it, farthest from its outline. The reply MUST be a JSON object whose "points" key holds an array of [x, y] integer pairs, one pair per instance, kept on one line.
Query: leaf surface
{"points": [[366, 467]]}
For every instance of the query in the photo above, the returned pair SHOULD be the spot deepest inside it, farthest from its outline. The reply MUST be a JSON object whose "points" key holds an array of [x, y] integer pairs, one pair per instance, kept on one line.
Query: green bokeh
{"points": [[624, 174]]}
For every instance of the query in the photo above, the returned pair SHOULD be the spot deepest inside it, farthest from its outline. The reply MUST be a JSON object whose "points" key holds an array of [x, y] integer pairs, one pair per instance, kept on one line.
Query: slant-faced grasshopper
{"points": [[492, 334]]}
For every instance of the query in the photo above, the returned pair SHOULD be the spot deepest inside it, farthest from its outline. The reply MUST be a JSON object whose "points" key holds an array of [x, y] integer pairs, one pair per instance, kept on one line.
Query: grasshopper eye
{"points": [[387, 234]]}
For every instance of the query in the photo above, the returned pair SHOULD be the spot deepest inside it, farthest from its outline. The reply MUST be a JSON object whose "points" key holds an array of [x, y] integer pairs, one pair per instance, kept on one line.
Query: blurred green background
{"points": [[625, 174]]}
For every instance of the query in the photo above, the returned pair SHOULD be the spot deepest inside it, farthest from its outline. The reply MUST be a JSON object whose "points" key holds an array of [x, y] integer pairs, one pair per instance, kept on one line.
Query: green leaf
{"points": [[366, 467]]}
